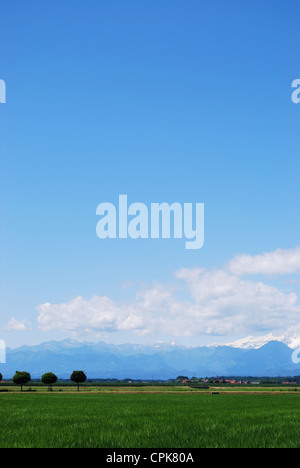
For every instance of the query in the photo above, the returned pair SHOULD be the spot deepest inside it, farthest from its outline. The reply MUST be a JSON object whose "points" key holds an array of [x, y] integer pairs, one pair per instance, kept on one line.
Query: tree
{"points": [[1, 377], [182, 377], [21, 378], [78, 377], [48, 379]]}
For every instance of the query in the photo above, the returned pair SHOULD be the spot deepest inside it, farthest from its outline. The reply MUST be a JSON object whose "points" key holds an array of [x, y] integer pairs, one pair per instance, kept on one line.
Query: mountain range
{"points": [[158, 361]]}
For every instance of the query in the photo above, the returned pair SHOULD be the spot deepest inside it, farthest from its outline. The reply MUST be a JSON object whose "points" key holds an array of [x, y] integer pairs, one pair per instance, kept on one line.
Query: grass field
{"points": [[157, 420], [150, 389]]}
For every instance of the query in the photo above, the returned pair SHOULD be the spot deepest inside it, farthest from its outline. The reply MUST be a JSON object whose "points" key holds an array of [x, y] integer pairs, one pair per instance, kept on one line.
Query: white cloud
{"points": [[16, 325], [220, 302], [98, 313], [232, 305], [279, 262], [218, 290]]}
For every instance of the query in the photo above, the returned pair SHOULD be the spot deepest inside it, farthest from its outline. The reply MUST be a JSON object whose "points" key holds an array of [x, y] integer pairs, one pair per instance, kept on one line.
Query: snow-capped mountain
{"points": [[251, 342], [158, 361]]}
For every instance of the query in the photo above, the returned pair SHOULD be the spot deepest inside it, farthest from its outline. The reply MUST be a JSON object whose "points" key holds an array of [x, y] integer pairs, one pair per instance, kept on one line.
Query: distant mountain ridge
{"points": [[158, 361]]}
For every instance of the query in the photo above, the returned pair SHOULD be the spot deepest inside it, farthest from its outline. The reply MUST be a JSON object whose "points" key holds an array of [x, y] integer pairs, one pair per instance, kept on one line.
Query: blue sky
{"points": [[164, 102]]}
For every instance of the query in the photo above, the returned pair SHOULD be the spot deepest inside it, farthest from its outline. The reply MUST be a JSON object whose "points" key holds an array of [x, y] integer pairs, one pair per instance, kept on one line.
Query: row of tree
{"points": [[22, 378]]}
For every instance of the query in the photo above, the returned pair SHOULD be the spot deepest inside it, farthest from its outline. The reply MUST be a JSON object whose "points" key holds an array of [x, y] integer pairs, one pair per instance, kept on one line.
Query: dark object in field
{"points": [[199, 387], [21, 378], [78, 377], [49, 379]]}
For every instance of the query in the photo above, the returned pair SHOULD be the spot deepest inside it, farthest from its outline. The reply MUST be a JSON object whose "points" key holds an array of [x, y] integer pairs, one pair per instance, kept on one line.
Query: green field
{"points": [[136, 420]]}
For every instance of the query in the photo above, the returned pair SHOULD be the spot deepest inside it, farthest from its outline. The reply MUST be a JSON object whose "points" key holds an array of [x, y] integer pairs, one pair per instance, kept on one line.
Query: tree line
{"points": [[22, 378]]}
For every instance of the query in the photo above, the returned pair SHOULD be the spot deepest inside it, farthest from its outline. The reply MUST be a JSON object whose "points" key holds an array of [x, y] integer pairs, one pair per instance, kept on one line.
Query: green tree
{"points": [[21, 378], [180, 378], [78, 377], [1, 377], [49, 379]]}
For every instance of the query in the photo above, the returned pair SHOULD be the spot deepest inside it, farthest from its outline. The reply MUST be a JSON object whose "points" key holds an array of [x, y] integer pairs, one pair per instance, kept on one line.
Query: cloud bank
{"points": [[17, 325], [279, 262], [219, 302]]}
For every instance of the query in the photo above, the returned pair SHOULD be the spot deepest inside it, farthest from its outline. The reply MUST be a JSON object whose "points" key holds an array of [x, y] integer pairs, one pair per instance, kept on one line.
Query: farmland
{"points": [[149, 417]]}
